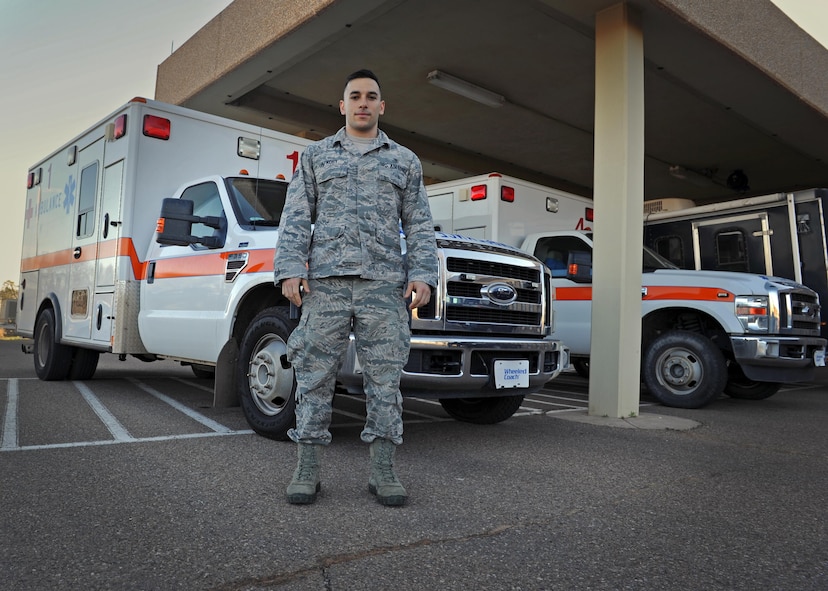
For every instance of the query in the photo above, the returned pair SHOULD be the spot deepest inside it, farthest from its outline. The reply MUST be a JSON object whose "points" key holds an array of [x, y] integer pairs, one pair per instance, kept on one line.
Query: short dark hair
{"points": [[363, 74]]}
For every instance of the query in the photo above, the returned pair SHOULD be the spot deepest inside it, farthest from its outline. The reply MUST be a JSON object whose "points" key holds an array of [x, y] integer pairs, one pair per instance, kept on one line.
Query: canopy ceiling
{"points": [[730, 86]]}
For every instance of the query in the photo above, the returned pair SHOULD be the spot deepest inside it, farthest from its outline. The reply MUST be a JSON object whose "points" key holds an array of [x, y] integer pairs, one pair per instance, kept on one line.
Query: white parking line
{"points": [[119, 433], [207, 422], [10, 420], [134, 440], [114, 425]]}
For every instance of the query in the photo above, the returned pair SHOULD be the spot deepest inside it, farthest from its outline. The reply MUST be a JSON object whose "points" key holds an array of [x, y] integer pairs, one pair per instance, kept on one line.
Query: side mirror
{"points": [[175, 226], [579, 266]]}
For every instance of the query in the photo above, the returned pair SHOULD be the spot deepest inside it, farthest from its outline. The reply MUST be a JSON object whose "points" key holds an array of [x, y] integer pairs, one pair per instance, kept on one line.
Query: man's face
{"points": [[362, 106]]}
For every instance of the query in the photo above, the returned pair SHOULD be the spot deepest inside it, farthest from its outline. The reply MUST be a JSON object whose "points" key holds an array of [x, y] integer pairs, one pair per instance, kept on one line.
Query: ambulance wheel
{"points": [[684, 369], [482, 411], [266, 388], [84, 364], [740, 386], [51, 359], [581, 367]]}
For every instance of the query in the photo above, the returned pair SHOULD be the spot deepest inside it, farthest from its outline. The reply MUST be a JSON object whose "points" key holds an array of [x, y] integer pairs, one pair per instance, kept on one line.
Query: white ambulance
{"points": [[96, 276], [703, 332]]}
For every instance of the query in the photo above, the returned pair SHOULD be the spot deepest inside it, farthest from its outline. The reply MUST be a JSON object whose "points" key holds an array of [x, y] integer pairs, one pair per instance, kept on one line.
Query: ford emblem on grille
{"points": [[500, 293]]}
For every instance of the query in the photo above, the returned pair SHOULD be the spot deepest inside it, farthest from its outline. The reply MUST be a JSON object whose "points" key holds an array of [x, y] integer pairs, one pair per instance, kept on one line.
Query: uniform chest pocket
{"points": [[335, 172], [393, 176]]}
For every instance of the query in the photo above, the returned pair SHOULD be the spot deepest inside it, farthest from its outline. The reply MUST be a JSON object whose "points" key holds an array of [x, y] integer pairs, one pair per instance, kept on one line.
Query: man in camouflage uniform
{"points": [[357, 188]]}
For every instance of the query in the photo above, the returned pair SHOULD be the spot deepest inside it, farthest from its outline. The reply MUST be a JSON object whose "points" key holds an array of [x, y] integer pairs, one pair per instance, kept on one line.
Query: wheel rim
{"points": [[679, 370], [42, 344], [269, 383]]}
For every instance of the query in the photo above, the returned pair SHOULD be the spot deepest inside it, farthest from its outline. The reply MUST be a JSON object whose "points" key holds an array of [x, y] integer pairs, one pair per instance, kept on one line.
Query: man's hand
{"points": [[290, 289], [420, 294]]}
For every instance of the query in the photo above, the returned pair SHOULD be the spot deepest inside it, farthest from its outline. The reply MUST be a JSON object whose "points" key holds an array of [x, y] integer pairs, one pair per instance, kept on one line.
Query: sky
{"points": [[66, 64]]}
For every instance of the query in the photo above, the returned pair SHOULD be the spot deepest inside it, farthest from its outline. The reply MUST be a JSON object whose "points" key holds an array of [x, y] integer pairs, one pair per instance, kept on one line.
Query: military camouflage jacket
{"points": [[357, 202]]}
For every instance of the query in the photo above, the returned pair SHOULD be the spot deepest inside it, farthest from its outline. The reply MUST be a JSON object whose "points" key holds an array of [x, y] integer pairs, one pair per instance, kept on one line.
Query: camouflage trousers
{"points": [[377, 314]]}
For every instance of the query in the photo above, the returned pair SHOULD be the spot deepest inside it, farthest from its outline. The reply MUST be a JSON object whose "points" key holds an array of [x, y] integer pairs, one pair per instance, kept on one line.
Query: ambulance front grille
{"points": [[470, 305], [799, 312]]}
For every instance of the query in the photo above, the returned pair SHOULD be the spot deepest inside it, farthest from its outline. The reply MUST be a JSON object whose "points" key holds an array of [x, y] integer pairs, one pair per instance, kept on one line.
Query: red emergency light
{"points": [[157, 127], [589, 214], [34, 178], [478, 192], [119, 127], [507, 194]]}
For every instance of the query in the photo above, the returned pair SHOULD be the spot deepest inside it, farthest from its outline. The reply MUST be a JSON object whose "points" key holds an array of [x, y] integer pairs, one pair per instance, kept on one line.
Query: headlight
{"points": [[752, 312]]}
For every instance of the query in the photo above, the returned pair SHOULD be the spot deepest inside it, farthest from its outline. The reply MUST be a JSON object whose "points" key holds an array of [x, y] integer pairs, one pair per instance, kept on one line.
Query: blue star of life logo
{"points": [[69, 194]]}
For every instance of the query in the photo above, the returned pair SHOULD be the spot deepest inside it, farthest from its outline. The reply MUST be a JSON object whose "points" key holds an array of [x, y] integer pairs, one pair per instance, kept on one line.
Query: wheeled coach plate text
{"points": [[511, 373]]}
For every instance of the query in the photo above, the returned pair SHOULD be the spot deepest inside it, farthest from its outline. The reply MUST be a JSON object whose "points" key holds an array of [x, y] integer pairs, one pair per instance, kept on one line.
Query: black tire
{"points": [[51, 359], [741, 387], [482, 411], [581, 366], [684, 369], [84, 364], [267, 391], [204, 372]]}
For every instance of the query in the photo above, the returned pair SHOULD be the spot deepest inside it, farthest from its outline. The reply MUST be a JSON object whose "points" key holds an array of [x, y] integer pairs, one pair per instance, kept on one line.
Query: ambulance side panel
{"points": [[510, 210], [91, 218]]}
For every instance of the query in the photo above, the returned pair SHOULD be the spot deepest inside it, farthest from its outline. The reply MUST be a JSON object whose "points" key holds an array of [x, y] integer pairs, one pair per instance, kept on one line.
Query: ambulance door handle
{"points": [[106, 226], [77, 252]]}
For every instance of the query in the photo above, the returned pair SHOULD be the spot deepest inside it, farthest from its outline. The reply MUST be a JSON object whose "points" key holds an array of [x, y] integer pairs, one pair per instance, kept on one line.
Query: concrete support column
{"points": [[615, 356]]}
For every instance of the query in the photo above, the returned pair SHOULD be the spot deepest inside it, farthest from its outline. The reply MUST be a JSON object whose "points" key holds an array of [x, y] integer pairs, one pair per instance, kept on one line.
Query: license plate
{"points": [[511, 373], [819, 358]]}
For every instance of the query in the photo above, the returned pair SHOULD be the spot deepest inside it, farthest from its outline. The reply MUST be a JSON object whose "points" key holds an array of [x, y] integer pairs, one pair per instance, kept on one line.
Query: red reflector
{"points": [[478, 192], [589, 214], [30, 181], [159, 225], [507, 194], [156, 127], [120, 127]]}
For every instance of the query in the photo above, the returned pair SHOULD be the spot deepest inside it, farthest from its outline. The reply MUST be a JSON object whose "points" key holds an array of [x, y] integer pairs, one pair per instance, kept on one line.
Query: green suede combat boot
{"points": [[305, 484], [383, 482]]}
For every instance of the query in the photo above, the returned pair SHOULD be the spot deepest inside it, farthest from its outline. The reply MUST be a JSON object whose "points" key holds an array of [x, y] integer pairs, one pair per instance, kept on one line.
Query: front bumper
{"points": [[776, 358], [461, 367]]}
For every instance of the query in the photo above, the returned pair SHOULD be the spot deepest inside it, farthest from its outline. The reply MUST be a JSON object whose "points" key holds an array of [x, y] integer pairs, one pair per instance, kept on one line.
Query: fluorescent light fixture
{"points": [[466, 89], [691, 176]]}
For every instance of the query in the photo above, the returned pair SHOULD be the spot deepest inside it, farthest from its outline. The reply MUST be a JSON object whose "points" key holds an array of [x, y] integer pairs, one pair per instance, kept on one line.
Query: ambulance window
{"points": [[731, 252], [671, 248], [206, 201], [86, 200], [554, 251], [257, 202]]}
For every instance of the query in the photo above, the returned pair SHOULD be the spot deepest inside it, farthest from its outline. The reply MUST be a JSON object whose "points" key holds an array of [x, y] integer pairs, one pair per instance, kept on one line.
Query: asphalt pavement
{"points": [[729, 497]]}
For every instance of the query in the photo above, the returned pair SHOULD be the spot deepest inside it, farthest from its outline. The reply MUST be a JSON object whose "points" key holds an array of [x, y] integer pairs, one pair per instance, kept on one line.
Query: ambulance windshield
{"points": [[653, 261], [257, 202]]}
